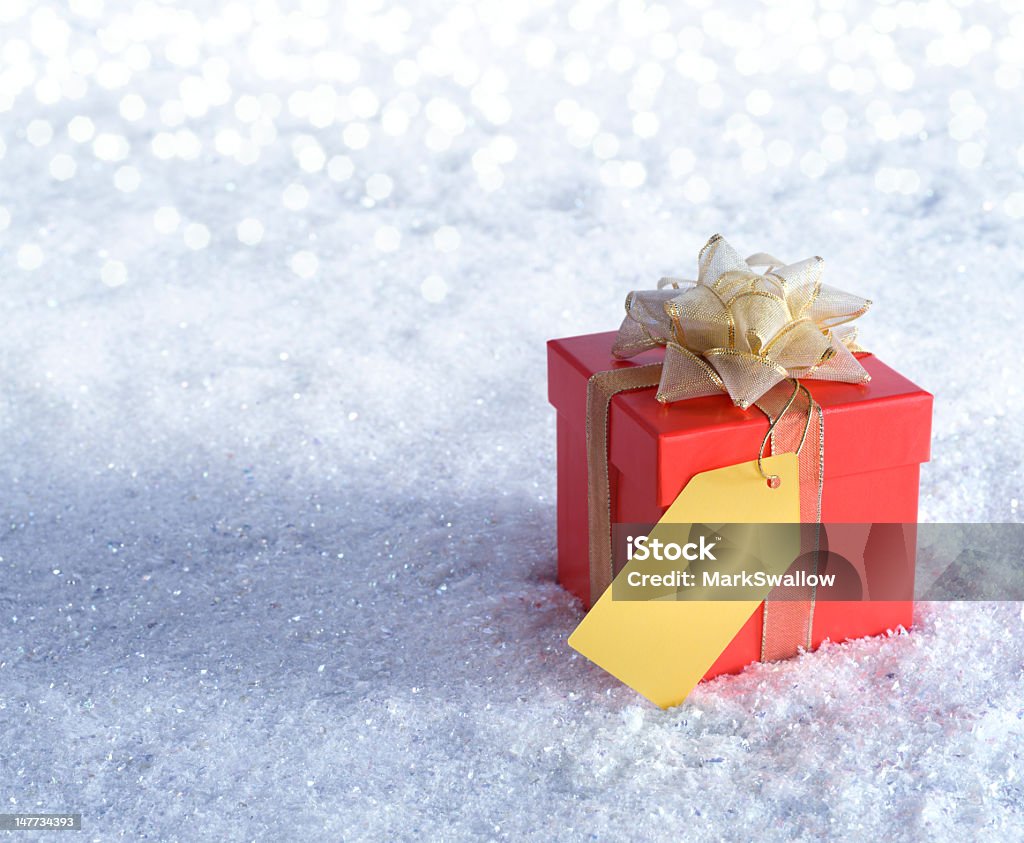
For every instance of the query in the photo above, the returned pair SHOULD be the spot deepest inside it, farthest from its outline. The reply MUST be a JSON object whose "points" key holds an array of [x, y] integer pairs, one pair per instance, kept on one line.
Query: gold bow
{"points": [[742, 332]]}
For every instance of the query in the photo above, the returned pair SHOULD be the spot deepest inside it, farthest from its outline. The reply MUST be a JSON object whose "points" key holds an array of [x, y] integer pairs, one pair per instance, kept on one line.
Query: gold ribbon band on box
{"points": [[752, 335]]}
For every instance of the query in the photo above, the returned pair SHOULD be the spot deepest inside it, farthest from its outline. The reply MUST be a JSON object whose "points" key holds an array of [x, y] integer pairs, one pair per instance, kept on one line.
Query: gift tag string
{"points": [[774, 481]]}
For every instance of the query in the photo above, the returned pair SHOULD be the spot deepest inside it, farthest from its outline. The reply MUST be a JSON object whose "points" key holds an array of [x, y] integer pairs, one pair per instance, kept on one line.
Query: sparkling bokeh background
{"points": [[278, 547]]}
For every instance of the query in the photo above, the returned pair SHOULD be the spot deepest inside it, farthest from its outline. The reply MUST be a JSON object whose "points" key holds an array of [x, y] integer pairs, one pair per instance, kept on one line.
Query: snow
{"points": [[279, 477]]}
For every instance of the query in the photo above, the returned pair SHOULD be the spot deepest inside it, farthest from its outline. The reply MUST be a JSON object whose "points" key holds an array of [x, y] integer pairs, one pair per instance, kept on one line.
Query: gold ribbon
{"points": [[743, 332], [751, 335]]}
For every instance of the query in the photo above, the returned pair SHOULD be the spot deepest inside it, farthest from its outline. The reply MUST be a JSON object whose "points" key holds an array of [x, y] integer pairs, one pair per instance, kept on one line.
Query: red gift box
{"points": [[876, 436]]}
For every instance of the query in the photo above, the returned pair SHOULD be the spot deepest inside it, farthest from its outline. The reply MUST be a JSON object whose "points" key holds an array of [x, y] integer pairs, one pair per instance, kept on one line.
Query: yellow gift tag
{"points": [[662, 648]]}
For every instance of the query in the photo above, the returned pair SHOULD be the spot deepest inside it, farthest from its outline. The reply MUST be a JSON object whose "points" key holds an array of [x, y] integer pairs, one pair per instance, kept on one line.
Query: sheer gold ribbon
{"points": [[751, 335]]}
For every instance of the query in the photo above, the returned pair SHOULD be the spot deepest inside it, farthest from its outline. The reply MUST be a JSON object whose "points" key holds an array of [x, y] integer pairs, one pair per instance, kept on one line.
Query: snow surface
{"points": [[279, 473]]}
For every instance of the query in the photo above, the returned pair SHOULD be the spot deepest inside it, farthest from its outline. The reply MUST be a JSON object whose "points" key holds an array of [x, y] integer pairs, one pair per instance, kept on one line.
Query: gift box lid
{"points": [[881, 424]]}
